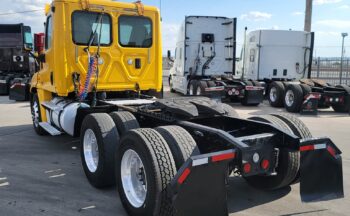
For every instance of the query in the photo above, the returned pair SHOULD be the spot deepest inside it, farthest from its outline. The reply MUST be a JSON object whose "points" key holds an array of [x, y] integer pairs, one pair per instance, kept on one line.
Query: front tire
{"points": [[156, 168], [99, 138], [36, 115]]}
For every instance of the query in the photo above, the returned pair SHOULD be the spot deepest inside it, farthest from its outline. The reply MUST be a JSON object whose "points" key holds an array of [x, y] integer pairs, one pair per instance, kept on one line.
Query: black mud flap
{"points": [[199, 188], [310, 104], [320, 170], [215, 93], [19, 92], [4, 87], [253, 94]]}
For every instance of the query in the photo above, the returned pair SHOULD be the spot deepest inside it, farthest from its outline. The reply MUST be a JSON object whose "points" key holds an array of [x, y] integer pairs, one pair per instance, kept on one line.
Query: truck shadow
{"points": [[242, 196]]}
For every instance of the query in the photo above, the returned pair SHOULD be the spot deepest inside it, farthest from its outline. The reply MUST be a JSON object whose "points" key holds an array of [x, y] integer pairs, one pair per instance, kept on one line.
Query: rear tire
{"points": [[299, 129], [276, 94], [99, 139], [343, 108], [172, 90], [157, 170], [180, 142], [192, 88], [288, 163], [201, 86], [306, 89], [211, 84], [293, 98], [124, 121]]}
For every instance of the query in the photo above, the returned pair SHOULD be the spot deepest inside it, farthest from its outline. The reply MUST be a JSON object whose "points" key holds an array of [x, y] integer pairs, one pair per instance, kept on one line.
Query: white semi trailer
{"points": [[281, 60], [205, 61]]}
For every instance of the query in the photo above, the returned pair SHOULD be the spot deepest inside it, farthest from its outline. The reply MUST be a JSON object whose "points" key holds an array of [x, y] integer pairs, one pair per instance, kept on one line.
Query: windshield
{"points": [[87, 23], [135, 31], [10, 35]]}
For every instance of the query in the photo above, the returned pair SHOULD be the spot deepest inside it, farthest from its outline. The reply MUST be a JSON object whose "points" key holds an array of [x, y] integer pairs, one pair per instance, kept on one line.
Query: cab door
{"points": [[46, 75]]}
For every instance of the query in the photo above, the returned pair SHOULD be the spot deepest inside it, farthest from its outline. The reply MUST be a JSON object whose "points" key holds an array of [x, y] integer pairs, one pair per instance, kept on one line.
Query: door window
{"points": [[135, 31], [88, 26]]}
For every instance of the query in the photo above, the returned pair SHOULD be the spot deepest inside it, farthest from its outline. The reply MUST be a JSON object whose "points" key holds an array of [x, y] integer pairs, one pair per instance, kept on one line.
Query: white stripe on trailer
{"points": [[320, 146], [199, 162]]}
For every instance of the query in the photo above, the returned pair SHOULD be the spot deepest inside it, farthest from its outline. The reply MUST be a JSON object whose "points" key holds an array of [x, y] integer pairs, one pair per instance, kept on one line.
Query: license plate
{"points": [[3, 81]]}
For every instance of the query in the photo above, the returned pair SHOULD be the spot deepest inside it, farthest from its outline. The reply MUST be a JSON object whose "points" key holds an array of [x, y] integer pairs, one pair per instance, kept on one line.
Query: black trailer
{"points": [[174, 156], [16, 63]]}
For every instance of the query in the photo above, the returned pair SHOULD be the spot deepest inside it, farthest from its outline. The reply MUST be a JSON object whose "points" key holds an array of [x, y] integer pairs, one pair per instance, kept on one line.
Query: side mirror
{"points": [[238, 59], [42, 58], [28, 47], [169, 56]]}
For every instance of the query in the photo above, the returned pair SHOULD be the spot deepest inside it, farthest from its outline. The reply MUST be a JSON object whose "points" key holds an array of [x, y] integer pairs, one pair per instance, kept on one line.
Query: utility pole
{"points": [[308, 16], [342, 56]]}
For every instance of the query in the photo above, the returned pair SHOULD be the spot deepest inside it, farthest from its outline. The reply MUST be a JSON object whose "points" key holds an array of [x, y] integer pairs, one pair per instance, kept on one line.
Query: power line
{"points": [[20, 12]]}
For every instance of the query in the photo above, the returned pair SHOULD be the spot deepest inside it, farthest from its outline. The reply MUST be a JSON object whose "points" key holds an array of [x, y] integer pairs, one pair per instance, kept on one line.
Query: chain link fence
{"points": [[331, 70]]}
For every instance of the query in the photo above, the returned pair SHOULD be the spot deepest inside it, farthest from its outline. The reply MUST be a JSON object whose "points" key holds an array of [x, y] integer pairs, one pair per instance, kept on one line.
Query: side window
{"points": [[48, 38], [180, 54], [252, 55], [135, 31]]}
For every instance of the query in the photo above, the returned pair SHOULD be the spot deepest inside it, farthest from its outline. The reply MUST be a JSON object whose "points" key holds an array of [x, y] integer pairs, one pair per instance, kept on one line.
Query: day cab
{"points": [[130, 48]]}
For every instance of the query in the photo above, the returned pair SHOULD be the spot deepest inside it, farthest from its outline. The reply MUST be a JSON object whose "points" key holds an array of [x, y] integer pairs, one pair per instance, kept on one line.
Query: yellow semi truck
{"points": [[101, 70]]}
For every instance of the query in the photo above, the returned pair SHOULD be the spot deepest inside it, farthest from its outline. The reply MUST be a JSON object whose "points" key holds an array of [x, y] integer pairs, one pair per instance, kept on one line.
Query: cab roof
{"points": [[108, 3]]}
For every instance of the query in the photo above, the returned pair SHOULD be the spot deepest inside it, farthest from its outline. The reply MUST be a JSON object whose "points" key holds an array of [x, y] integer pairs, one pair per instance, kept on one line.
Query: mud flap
{"points": [[310, 104], [253, 95], [19, 92], [199, 188], [320, 170]]}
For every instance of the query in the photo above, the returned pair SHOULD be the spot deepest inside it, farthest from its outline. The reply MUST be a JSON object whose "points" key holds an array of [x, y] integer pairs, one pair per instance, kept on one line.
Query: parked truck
{"points": [[205, 59], [16, 63], [281, 60], [95, 83]]}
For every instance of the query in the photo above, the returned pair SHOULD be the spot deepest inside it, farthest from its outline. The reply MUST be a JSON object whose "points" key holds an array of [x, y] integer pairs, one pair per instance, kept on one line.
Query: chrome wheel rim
{"points": [[91, 153], [133, 176], [191, 89], [35, 113], [171, 83], [273, 94], [289, 98], [199, 91]]}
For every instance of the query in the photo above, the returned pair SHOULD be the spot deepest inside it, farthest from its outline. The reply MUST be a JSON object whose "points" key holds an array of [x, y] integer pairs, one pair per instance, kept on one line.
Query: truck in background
{"points": [[205, 59], [281, 61], [16, 62]]}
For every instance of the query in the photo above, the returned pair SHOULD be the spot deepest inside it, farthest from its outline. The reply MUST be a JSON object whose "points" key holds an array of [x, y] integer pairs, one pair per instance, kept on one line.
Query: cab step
{"points": [[50, 129]]}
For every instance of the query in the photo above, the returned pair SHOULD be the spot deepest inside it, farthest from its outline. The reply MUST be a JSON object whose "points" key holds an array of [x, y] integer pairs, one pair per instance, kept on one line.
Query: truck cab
{"points": [[275, 55], [123, 38], [16, 64]]}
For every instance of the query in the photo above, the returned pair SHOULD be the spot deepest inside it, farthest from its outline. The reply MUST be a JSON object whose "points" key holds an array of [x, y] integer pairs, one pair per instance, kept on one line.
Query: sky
{"points": [[330, 18]]}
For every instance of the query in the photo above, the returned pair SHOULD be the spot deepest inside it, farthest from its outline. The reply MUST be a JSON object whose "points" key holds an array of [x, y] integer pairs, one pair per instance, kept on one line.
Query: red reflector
{"points": [[331, 151], [183, 176], [265, 164], [307, 148], [223, 157], [247, 168]]}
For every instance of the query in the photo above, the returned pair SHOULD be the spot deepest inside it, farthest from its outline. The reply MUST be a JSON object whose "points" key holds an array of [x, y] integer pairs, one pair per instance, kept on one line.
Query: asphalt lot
{"points": [[44, 176]]}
